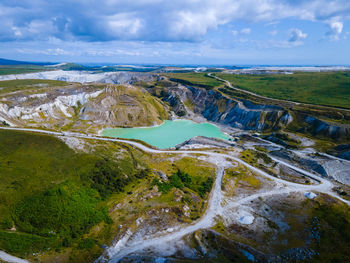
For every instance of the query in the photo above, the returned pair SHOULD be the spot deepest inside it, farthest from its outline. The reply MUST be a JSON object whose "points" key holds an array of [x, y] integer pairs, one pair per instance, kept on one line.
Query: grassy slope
{"points": [[196, 79], [7, 86], [35, 167], [32, 163], [20, 69], [325, 88]]}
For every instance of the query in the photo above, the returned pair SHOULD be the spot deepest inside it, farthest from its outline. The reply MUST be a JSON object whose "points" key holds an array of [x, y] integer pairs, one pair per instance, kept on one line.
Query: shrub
{"points": [[334, 222], [6, 223], [181, 179], [185, 178], [86, 243], [66, 211], [107, 178], [176, 181], [206, 187], [23, 244]]}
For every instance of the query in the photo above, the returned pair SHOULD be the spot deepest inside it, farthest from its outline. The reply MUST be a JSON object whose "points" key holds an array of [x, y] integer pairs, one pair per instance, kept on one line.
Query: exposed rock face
{"points": [[243, 114], [321, 165], [342, 151], [83, 107], [308, 163], [85, 76], [125, 106], [213, 106], [320, 128]]}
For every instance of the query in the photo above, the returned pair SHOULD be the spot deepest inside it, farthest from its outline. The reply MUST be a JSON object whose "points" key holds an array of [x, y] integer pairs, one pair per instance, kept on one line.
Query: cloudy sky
{"points": [[177, 31]]}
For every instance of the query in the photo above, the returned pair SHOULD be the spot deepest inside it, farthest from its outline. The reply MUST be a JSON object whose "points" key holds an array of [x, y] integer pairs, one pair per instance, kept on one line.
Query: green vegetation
{"points": [[35, 163], [107, 178], [243, 177], [260, 148], [52, 197], [4, 123], [7, 86], [67, 211], [73, 66], [86, 243], [321, 88], [181, 180], [22, 244], [195, 79], [252, 157], [331, 225], [20, 69]]}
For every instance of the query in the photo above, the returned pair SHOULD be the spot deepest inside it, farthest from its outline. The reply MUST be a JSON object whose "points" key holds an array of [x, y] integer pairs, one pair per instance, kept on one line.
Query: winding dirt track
{"points": [[215, 207]]}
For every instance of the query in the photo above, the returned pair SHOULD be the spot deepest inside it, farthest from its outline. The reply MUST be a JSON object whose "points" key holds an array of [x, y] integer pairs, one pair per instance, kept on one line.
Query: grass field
{"points": [[199, 79], [324, 88], [20, 69], [7, 86]]}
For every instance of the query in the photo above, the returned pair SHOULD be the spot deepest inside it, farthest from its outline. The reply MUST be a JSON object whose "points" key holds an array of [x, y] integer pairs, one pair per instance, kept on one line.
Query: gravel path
{"points": [[8, 258]]}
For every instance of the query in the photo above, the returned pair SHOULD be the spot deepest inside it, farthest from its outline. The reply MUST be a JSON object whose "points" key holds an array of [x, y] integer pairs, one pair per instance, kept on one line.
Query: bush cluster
{"points": [[107, 178], [181, 180], [67, 211]]}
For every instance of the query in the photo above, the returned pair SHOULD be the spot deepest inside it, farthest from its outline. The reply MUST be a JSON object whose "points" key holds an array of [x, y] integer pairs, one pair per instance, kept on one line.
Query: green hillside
{"points": [[321, 88], [50, 196]]}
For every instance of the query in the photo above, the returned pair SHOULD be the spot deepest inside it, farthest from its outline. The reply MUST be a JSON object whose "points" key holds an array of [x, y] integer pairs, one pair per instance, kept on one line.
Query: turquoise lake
{"points": [[168, 134]]}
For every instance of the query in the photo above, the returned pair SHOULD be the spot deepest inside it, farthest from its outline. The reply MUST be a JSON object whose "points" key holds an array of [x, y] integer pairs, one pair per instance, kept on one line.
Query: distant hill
{"points": [[72, 66], [16, 62]]}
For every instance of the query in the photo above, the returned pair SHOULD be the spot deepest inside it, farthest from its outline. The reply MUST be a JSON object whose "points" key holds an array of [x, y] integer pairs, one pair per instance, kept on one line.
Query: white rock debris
{"points": [[59, 106], [310, 195]]}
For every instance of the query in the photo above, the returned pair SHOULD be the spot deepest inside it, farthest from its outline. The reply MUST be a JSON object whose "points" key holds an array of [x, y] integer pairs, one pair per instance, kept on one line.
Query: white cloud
{"points": [[49, 51], [16, 31], [296, 35], [123, 25], [156, 20], [335, 30], [235, 32], [56, 52], [246, 31], [273, 32]]}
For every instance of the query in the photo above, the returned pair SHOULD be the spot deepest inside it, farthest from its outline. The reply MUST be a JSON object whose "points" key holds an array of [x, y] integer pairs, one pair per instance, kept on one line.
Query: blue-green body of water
{"points": [[168, 134]]}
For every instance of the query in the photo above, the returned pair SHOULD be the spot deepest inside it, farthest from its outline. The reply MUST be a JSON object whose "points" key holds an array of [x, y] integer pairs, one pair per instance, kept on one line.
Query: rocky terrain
{"points": [[84, 76], [221, 107], [81, 107], [217, 108]]}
